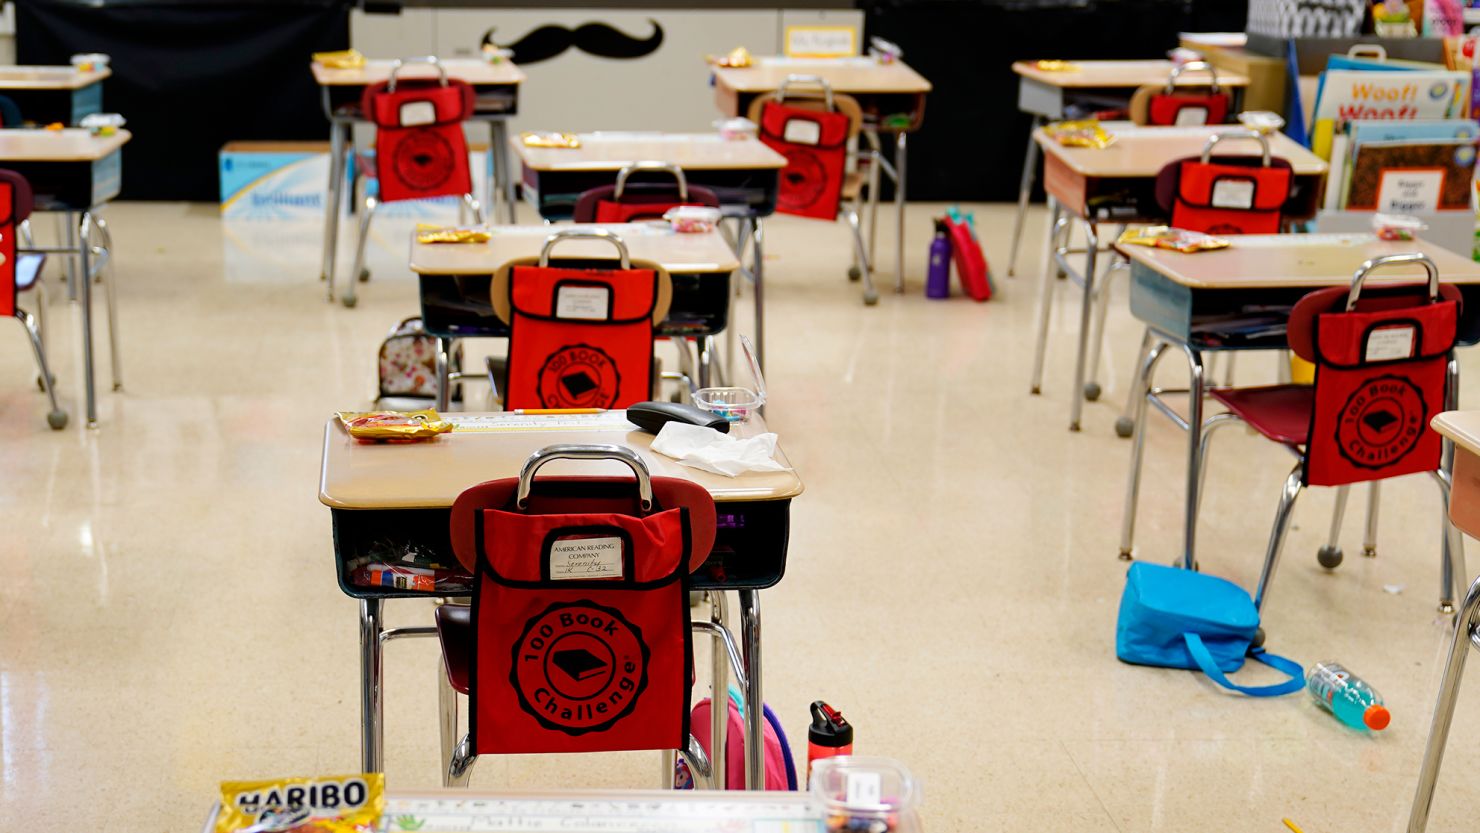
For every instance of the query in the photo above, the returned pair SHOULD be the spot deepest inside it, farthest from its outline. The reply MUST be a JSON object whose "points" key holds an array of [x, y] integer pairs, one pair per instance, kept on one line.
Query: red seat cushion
{"points": [[455, 632], [1279, 412]]}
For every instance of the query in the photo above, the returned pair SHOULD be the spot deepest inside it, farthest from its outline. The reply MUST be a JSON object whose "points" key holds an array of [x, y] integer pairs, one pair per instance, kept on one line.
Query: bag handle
{"points": [[1181, 68], [595, 451], [1392, 260], [1205, 662], [587, 234], [813, 80], [1255, 135], [1367, 50], [390, 86], [667, 167]]}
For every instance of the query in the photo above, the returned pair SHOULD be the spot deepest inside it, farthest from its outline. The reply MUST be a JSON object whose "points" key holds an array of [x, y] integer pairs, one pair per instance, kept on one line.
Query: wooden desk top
{"points": [[682, 253], [74, 144], [846, 75], [1118, 74], [1296, 260], [1461, 426], [49, 77], [612, 151], [1144, 151], [430, 475], [471, 70]]}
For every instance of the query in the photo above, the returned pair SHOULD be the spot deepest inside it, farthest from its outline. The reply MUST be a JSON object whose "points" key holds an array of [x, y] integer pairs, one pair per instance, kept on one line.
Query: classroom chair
{"points": [[21, 272], [1384, 366], [420, 151], [1170, 105], [581, 334], [815, 132], [1466, 635], [628, 203], [552, 662]]}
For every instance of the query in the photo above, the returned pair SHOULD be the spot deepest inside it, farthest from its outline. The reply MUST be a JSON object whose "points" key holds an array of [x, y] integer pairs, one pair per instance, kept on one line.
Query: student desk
{"points": [[74, 173], [1190, 303], [496, 91], [892, 96], [47, 94], [1117, 184], [1047, 95], [617, 811], [455, 280], [388, 498], [1462, 429]]}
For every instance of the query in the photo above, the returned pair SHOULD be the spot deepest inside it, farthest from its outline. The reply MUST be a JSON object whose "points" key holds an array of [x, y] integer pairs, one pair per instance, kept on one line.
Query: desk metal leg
{"points": [[1086, 314], [750, 638], [69, 240], [758, 272], [1141, 391], [1454, 668], [371, 714], [899, 187], [1056, 222], [337, 164], [1025, 190], [1195, 374], [503, 177], [719, 712], [444, 376], [84, 293]]}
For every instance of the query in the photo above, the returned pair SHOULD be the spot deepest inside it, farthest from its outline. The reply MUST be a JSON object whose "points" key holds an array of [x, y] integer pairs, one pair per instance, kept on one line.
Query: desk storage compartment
{"points": [[746, 192], [72, 185], [749, 546]]}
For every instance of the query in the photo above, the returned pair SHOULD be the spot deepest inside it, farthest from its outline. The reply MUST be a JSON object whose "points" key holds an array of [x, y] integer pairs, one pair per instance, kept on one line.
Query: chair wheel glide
{"points": [[349, 301], [57, 420], [1258, 641], [870, 298], [854, 273], [1330, 557], [1092, 391], [1369, 552], [1124, 427], [364, 275], [1126, 556]]}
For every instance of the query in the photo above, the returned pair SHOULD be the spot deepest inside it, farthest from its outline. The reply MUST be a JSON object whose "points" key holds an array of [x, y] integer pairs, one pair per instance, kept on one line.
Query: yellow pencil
{"points": [[1293, 826], [555, 411]]}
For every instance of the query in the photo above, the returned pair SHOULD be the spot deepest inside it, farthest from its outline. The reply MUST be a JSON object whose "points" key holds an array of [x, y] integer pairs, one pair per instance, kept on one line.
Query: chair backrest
{"points": [[15, 207], [1169, 104], [1382, 371], [581, 627], [420, 150], [625, 202], [1226, 194], [813, 134], [580, 336]]}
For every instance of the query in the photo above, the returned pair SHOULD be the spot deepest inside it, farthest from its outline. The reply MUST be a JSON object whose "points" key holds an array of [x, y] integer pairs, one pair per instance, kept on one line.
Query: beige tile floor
{"points": [[169, 616]]}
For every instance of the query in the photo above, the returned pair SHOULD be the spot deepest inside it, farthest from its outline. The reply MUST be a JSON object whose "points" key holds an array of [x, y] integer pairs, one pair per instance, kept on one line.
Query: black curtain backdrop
{"points": [[191, 76], [971, 144]]}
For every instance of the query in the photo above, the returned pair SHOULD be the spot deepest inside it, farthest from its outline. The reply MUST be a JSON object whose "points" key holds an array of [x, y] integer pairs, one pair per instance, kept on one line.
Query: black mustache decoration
{"points": [[598, 39]]}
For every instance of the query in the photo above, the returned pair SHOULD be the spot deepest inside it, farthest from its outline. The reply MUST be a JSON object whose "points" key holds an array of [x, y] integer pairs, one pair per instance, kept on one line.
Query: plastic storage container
{"points": [[735, 404], [866, 795]]}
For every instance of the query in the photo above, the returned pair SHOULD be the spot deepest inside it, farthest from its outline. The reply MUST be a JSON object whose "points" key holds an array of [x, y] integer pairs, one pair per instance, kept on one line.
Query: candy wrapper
{"points": [[494, 55], [1176, 239], [428, 233], [1399, 227], [102, 124], [692, 219], [394, 426], [1080, 134], [343, 59], [737, 58], [90, 61], [331, 804], [532, 139], [1057, 66]]}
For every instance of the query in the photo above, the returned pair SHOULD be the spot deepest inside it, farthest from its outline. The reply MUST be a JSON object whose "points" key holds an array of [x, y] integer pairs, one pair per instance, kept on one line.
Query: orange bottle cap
{"points": [[1377, 717]]}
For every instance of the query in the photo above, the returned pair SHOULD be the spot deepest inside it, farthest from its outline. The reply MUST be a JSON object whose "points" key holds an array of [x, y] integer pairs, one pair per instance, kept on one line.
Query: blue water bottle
{"points": [[938, 276]]}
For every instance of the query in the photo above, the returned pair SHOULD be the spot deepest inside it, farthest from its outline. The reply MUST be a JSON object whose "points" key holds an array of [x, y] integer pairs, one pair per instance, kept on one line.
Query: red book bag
{"points": [[581, 639], [580, 337], [1382, 364], [971, 262], [815, 144], [1173, 107], [420, 150], [1226, 194]]}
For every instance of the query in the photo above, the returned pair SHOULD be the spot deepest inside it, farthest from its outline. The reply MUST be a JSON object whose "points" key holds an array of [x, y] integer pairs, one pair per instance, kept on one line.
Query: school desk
{"points": [[891, 95], [1117, 184], [395, 497], [74, 173], [1047, 95], [496, 100], [616, 811], [47, 94], [1237, 299], [455, 279], [1462, 430]]}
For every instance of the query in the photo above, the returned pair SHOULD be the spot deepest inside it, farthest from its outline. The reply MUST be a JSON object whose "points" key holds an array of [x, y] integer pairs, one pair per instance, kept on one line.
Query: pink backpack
{"points": [[781, 771]]}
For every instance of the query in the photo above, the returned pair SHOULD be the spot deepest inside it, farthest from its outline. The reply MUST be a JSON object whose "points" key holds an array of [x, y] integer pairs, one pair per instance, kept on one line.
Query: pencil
{"points": [[1293, 826], [554, 411]]}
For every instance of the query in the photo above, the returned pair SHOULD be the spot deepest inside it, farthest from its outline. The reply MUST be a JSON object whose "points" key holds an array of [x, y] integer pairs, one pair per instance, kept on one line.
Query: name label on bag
{"points": [[589, 303], [416, 113], [1389, 343], [1192, 117], [1233, 193], [802, 132], [586, 558]]}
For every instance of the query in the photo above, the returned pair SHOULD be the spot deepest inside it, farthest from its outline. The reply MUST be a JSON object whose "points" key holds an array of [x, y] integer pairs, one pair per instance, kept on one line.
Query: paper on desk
{"points": [[709, 450]]}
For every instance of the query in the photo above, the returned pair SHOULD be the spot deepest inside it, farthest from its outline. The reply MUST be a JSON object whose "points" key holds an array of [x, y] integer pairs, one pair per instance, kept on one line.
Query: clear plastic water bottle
{"points": [[1347, 696]]}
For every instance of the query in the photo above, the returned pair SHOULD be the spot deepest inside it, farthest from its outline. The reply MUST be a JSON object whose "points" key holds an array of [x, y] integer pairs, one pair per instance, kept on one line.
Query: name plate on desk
{"points": [[821, 42]]}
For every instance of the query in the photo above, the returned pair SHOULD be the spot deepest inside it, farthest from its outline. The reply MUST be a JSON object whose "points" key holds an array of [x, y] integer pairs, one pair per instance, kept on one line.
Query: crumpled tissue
{"points": [[709, 450]]}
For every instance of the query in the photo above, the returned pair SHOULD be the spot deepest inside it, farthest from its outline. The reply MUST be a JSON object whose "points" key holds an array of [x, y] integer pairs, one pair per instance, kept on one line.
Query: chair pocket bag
{"points": [[815, 144], [1221, 197], [1187, 109], [420, 149], [582, 641]]}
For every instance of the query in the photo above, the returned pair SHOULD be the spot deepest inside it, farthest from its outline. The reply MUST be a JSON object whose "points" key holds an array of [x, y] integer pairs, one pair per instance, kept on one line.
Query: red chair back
{"points": [[1381, 360], [420, 150], [15, 207]]}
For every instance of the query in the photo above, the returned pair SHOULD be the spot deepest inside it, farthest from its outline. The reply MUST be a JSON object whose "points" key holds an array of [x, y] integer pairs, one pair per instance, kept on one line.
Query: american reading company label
{"points": [[1192, 117], [1233, 193], [586, 558], [802, 132], [1389, 343], [584, 302]]}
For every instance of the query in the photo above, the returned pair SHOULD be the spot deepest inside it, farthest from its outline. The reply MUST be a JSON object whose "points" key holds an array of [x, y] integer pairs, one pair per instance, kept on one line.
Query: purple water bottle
{"points": [[938, 276]]}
